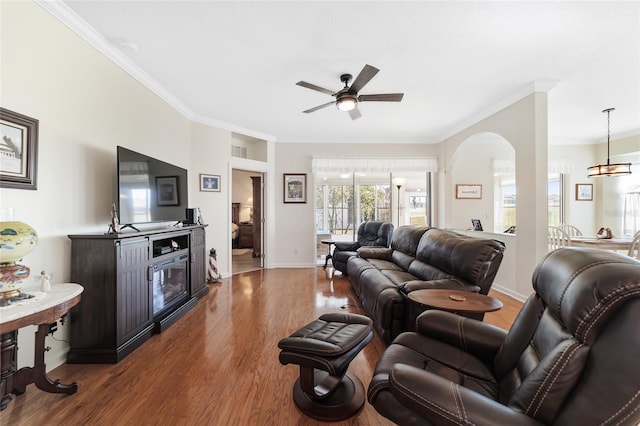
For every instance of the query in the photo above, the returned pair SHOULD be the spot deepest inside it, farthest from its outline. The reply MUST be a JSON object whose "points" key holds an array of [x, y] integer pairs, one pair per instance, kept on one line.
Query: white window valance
{"points": [[504, 167], [560, 166], [508, 167], [373, 164]]}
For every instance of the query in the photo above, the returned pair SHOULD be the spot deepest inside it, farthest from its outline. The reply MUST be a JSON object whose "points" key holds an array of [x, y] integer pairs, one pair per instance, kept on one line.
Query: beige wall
{"points": [[86, 106], [472, 163], [294, 223], [524, 125], [210, 152], [609, 207]]}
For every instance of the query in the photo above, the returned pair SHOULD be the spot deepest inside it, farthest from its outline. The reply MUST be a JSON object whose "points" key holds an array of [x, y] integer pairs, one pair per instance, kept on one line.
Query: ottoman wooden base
{"points": [[344, 402]]}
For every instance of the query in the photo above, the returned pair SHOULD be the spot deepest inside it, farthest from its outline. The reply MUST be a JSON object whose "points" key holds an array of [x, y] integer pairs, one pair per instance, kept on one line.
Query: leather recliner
{"points": [[570, 357], [370, 233]]}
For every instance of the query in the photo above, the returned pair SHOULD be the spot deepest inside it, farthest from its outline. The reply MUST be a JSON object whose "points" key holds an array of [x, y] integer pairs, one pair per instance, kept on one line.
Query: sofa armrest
{"points": [[372, 252], [446, 283], [347, 245], [476, 337], [441, 402]]}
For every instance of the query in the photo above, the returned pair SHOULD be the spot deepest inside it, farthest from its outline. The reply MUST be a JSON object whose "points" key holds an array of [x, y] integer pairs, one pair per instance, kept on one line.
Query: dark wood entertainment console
{"points": [[135, 284]]}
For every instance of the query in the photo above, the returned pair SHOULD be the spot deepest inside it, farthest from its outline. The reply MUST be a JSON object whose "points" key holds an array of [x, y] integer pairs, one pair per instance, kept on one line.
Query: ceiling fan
{"points": [[347, 98]]}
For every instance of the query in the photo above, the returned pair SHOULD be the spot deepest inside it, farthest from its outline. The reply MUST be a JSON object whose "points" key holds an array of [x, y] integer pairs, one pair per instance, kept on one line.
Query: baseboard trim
{"points": [[519, 297]]}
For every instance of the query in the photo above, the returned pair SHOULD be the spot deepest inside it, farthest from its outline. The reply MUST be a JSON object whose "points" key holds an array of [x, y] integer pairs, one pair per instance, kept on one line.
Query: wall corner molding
{"points": [[75, 23]]}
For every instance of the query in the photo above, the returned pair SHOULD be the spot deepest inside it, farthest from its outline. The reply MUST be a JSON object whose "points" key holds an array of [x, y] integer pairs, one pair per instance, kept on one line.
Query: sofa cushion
{"points": [[426, 272], [407, 238], [465, 257], [375, 253], [398, 276], [384, 265], [401, 259], [447, 283], [439, 358]]}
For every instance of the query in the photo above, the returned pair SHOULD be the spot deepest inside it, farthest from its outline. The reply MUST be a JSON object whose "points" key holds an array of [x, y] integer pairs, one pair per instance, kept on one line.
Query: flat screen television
{"points": [[149, 190]]}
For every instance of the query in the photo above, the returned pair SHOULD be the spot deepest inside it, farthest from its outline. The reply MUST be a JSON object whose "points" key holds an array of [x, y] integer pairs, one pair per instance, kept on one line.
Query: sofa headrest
{"points": [[469, 258], [375, 233], [584, 287], [406, 238]]}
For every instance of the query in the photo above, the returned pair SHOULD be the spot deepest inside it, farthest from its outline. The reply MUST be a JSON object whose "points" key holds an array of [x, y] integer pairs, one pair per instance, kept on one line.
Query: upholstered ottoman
{"points": [[323, 349]]}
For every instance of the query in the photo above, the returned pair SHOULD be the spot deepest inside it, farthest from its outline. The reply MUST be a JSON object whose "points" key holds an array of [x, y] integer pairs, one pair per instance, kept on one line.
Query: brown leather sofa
{"points": [[370, 233], [570, 358], [419, 258]]}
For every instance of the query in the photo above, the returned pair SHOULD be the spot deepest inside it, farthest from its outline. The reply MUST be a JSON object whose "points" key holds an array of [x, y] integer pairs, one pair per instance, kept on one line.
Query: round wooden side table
{"points": [[458, 301], [329, 255]]}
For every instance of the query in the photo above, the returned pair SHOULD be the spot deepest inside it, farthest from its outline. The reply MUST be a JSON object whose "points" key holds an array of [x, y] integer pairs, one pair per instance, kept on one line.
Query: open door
{"points": [[247, 221]]}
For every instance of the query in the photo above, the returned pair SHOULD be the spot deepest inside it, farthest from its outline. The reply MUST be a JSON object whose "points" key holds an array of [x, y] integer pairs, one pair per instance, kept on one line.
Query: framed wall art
{"points": [[209, 183], [18, 150], [584, 191], [295, 188], [167, 191], [469, 191]]}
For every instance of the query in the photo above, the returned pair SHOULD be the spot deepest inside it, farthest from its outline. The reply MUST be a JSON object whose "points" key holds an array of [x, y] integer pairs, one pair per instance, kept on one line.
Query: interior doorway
{"points": [[246, 221]]}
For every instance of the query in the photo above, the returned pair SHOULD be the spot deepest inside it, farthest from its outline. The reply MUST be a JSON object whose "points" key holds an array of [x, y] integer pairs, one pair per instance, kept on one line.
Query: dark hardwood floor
{"points": [[243, 261], [218, 365]]}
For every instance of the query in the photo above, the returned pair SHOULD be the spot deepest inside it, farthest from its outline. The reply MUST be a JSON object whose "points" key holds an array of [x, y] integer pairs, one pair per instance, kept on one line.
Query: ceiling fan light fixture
{"points": [[346, 103], [617, 169]]}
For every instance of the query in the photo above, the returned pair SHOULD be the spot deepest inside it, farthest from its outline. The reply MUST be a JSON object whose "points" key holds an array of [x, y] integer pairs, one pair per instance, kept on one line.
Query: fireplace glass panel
{"points": [[169, 282]]}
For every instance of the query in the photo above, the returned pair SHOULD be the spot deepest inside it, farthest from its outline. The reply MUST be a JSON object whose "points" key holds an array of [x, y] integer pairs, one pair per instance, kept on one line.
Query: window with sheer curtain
{"points": [[631, 212], [505, 193], [351, 190]]}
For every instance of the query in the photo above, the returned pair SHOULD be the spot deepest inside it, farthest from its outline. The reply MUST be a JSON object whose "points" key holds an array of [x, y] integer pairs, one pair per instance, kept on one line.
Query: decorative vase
{"points": [[17, 239]]}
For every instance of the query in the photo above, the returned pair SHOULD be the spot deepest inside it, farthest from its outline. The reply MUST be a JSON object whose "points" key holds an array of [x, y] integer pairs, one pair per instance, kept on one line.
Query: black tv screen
{"points": [[149, 190]]}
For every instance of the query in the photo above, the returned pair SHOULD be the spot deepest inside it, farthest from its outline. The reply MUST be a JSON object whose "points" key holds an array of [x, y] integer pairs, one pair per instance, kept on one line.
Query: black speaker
{"points": [[192, 217]]}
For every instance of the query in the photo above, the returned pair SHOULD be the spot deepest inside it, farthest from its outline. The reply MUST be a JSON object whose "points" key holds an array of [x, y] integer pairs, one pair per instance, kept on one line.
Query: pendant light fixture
{"points": [[617, 169]]}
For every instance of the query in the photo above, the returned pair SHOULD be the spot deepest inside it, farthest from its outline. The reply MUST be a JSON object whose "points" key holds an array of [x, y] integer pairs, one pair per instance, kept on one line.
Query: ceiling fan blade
{"points": [[355, 114], [363, 78], [387, 97], [319, 107], [314, 87]]}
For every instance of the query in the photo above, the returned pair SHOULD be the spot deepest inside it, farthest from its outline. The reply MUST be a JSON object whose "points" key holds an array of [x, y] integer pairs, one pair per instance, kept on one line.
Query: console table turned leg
{"points": [[38, 373]]}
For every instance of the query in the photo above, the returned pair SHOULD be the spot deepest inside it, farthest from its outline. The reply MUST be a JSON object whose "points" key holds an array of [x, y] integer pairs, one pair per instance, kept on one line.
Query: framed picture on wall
{"points": [[167, 190], [468, 191], [19, 150], [584, 191], [209, 183], [295, 188]]}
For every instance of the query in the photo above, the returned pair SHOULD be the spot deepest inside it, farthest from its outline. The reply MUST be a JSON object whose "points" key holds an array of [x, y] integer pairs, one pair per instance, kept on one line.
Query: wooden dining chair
{"points": [[557, 238], [571, 230], [634, 249]]}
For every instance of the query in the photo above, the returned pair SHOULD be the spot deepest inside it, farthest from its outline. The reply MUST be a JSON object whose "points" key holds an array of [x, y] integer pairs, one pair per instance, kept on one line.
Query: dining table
{"points": [[615, 243]]}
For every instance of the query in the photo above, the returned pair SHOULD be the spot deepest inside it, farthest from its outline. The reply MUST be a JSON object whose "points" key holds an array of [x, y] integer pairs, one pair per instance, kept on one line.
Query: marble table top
{"points": [[59, 293]]}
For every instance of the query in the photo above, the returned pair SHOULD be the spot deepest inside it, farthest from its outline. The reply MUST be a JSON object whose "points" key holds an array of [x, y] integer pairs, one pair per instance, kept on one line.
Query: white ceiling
{"points": [[236, 63]]}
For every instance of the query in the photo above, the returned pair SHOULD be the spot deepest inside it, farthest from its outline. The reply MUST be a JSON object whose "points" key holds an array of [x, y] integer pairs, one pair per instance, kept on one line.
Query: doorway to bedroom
{"points": [[246, 221]]}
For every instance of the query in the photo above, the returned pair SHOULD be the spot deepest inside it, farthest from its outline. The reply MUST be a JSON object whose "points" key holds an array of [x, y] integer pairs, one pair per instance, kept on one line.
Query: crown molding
{"points": [[529, 89], [75, 23]]}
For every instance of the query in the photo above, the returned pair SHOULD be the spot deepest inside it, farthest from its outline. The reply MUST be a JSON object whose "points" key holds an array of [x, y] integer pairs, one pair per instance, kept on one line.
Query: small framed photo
{"points": [[18, 150], [209, 183], [167, 191], [584, 191], [295, 188], [477, 225], [468, 191]]}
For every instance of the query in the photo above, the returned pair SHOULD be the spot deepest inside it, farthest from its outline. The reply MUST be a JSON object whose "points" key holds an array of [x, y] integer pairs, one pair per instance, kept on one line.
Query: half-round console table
{"points": [[42, 310]]}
